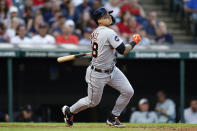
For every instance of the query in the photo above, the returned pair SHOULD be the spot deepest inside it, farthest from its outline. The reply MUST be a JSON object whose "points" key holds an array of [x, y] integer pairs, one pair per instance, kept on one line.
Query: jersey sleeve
{"points": [[114, 39]]}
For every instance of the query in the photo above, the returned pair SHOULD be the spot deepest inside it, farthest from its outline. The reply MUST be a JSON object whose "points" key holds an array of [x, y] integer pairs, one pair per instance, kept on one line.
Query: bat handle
{"points": [[81, 55], [89, 53]]}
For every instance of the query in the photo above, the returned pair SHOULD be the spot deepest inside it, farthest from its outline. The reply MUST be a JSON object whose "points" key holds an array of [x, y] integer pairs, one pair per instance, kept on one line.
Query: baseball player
{"points": [[102, 70]]}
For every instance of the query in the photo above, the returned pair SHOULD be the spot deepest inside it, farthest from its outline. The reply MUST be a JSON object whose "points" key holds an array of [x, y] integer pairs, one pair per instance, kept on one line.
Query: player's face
{"points": [[105, 20]]}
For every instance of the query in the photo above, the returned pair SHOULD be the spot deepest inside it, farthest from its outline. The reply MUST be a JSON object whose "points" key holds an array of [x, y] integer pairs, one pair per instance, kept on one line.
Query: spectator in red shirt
{"points": [[123, 24], [9, 2], [135, 9], [68, 36], [133, 25], [38, 3]]}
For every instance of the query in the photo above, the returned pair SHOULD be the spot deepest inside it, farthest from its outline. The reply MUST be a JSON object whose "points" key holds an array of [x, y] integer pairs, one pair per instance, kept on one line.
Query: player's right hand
{"points": [[136, 38]]}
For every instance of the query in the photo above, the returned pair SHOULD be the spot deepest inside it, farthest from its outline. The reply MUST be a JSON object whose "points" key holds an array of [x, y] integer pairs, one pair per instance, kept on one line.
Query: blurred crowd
{"points": [[164, 111], [23, 114], [71, 21]]}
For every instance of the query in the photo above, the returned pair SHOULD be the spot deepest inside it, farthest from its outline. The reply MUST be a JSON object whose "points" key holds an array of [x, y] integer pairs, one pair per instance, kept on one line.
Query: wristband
{"points": [[132, 43]]}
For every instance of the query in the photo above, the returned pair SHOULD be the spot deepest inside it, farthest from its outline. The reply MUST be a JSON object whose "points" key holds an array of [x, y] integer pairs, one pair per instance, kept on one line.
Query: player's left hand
{"points": [[136, 38]]}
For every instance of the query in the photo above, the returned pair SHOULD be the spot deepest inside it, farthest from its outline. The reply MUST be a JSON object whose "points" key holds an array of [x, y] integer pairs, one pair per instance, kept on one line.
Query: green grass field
{"points": [[94, 127]]}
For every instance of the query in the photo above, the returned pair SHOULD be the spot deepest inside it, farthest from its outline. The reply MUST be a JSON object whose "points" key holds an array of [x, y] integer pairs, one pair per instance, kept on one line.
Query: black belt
{"points": [[102, 71]]}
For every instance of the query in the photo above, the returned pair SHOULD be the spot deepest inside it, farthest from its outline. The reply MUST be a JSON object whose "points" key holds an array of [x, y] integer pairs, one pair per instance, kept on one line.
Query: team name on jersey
{"points": [[94, 36]]}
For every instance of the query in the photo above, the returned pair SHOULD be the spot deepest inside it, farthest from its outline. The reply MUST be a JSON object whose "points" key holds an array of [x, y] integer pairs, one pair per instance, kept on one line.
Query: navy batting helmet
{"points": [[101, 12]]}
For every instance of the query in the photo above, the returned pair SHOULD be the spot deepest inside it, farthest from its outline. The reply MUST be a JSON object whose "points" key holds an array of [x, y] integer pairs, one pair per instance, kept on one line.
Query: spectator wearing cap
{"points": [[164, 36], [71, 25], [12, 30], [145, 40], [144, 115], [68, 36], [86, 37], [4, 38], [4, 117], [21, 38], [13, 12], [165, 108], [190, 114], [43, 37]]}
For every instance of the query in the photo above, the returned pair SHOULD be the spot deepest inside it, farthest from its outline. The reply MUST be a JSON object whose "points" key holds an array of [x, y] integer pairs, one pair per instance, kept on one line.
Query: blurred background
{"points": [[161, 69]]}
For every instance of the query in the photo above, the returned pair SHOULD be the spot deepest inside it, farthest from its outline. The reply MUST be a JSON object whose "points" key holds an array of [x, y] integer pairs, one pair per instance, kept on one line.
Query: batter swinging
{"points": [[102, 70]]}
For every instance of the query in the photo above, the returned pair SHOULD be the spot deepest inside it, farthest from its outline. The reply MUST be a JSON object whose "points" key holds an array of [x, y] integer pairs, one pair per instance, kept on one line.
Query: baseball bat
{"points": [[72, 57]]}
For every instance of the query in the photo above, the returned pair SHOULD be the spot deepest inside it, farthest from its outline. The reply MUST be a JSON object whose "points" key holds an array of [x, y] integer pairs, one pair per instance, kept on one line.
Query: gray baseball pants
{"points": [[96, 82]]}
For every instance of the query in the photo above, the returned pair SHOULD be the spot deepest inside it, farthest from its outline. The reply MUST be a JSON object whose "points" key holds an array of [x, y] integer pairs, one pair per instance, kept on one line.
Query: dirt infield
{"points": [[156, 128]]}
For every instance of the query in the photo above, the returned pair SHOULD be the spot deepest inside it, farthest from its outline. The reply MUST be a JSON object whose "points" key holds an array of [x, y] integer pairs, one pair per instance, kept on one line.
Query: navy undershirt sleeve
{"points": [[121, 48]]}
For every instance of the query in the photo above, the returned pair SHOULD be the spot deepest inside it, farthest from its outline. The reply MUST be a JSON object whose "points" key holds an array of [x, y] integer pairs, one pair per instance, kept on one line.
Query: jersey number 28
{"points": [[94, 49]]}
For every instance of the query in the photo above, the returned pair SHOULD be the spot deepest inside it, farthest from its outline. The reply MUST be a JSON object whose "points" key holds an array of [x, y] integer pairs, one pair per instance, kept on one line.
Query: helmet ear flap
{"points": [[96, 21], [113, 20]]}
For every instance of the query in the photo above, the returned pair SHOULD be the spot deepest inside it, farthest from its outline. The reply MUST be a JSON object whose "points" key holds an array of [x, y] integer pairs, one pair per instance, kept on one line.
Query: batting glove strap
{"points": [[132, 43]]}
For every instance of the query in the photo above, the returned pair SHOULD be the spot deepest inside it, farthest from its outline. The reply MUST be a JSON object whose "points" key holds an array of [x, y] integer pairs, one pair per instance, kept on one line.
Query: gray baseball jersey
{"points": [[104, 41]]}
